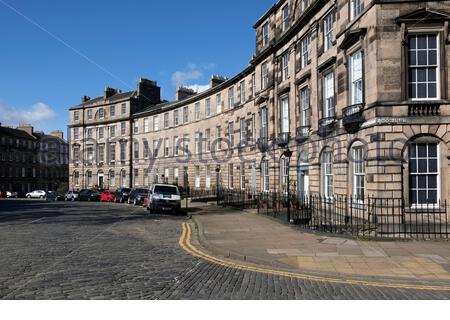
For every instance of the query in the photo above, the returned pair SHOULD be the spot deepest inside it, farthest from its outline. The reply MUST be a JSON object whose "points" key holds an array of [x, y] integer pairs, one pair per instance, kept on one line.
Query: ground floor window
{"points": [[123, 178], [265, 175], [230, 176], [89, 178], [146, 178], [284, 174], [424, 173], [208, 176], [112, 178], [327, 174], [76, 178], [197, 177], [359, 173], [242, 176]]}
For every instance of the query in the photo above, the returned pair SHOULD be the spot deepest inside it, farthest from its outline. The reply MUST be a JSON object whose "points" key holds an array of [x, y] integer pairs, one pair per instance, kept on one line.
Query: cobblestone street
{"points": [[109, 251]]}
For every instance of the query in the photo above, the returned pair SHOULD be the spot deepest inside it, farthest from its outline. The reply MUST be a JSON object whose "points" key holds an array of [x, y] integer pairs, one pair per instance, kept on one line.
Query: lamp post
{"points": [[217, 183], [288, 154]]}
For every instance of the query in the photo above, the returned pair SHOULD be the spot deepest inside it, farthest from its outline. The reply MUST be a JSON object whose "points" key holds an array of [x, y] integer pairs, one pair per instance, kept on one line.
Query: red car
{"points": [[2, 194], [108, 196], [145, 202]]}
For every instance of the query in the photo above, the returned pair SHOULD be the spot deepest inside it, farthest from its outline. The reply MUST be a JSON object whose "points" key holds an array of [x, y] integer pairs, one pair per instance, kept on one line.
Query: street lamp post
{"points": [[288, 155], [217, 183]]}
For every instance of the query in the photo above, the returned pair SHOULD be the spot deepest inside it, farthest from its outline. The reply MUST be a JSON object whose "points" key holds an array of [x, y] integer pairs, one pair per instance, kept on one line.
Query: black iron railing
{"points": [[283, 139], [368, 218], [237, 198], [303, 134]]}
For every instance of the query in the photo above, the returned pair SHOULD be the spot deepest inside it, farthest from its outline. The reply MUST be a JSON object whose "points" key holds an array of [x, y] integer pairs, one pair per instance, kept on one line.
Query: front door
{"points": [[100, 181]]}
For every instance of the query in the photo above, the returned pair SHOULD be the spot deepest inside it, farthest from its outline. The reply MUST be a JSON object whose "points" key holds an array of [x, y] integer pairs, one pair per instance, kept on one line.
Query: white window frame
{"points": [[427, 66], [208, 140], [328, 95], [284, 114], [176, 119], [427, 174], [197, 111], [156, 123], [208, 177], [218, 103], [285, 24], [242, 88], [208, 107], [231, 97], [265, 34], [305, 106], [166, 120], [285, 66], [186, 115], [197, 182], [356, 77], [305, 42], [230, 176], [358, 174], [328, 31], [356, 7], [265, 75], [327, 174], [265, 176], [146, 125]]}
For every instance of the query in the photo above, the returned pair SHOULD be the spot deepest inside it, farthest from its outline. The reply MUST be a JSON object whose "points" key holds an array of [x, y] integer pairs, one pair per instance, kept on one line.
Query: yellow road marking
{"points": [[186, 244]]}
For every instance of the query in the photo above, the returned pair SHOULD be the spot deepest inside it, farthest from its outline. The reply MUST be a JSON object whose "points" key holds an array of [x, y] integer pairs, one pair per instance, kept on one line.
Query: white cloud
{"points": [[182, 78], [36, 115], [199, 88]]}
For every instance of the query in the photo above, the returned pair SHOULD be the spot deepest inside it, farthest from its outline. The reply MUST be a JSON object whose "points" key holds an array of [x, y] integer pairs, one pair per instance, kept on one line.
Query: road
{"points": [[89, 250]]}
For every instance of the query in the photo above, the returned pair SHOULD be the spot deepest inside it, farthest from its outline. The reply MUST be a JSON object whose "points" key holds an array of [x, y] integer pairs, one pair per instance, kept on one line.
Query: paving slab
{"points": [[252, 237]]}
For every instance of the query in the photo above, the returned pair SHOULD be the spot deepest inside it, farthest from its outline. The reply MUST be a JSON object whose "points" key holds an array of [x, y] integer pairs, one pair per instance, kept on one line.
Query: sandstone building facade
{"points": [[345, 97], [32, 160]]}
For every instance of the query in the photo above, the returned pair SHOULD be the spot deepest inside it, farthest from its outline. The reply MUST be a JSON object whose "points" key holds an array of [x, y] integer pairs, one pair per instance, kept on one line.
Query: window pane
{"points": [[422, 41], [422, 150], [422, 58], [432, 182], [412, 91], [432, 57], [412, 42], [421, 90], [413, 182], [412, 58], [422, 196], [422, 165], [412, 75], [422, 75], [432, 74], [432, 43], [422, 182], [433, 166], [432, 93], [432, 150], [432, 196], [413, 166]]}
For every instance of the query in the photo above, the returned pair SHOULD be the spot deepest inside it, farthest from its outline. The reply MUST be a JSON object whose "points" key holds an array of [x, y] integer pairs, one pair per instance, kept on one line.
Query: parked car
{"points": [[71, 196], [37, 194], [89, 195], [108, 196], [137, 196], [2, 194], [165, 198], [122, 195], [54, 196], [12, 194]]}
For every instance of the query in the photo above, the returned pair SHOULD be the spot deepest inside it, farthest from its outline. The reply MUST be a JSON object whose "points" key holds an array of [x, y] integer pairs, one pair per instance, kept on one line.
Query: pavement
{"points": [[249, 237]]}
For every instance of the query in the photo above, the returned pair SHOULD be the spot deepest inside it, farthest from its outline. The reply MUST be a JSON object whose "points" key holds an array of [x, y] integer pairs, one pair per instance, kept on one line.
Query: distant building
{"points": [[31, 160]]}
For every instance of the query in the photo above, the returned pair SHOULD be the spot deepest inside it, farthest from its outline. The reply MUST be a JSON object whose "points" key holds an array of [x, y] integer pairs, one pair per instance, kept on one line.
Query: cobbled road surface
{"points": [[65, 250]]}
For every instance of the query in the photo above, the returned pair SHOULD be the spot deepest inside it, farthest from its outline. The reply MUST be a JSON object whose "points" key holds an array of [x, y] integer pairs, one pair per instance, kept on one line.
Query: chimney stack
{"points": [[58, 134], [149, 91], [216, 80], [109, 92], [28, 128], [183, 93]]}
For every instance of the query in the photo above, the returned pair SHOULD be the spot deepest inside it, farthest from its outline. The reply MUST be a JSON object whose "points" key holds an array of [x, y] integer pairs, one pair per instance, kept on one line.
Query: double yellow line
{"points": [[186, 244]]}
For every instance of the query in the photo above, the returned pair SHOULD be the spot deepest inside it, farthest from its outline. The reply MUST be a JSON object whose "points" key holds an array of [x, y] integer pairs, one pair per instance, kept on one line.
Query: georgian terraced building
{"points": [[357, 90]]}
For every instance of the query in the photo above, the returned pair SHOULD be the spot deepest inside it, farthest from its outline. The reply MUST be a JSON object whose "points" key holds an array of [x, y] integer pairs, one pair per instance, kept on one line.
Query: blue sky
{"points": [[53, 52]]}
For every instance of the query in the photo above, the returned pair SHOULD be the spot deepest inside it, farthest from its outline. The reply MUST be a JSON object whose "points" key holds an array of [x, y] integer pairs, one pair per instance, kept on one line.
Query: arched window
{"points": [[327, 173], [424, 173], [358, 171]]}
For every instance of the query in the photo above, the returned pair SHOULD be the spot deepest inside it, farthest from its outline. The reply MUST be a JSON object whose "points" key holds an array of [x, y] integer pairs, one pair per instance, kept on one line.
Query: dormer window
{"points": [[265, 34]]}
